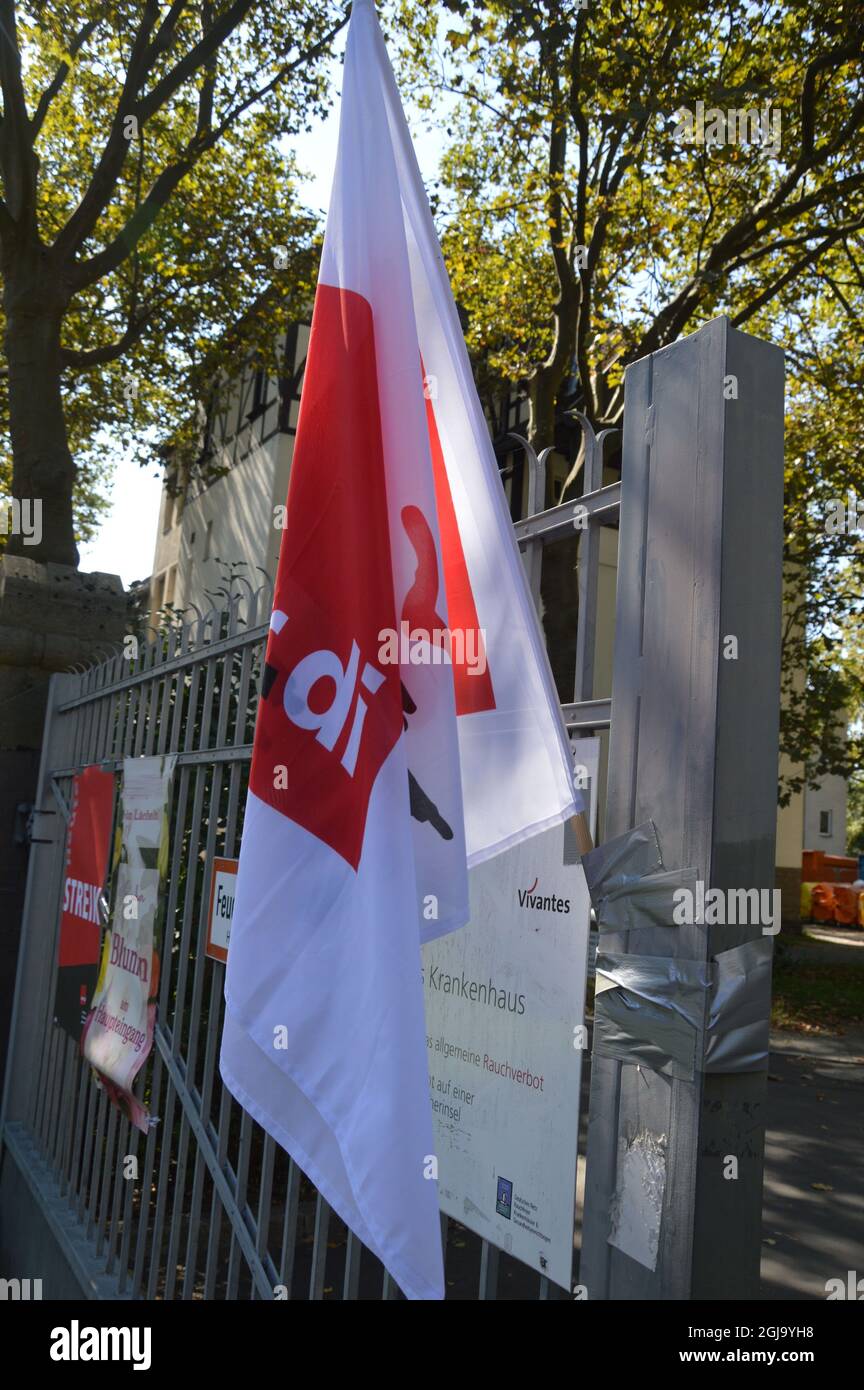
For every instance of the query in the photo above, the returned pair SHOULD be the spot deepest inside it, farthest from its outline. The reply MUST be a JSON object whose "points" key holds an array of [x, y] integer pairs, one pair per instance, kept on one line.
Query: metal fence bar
{"points": [[96, 1159], [147, 1180], [289, 1227], [488, 1272], [216, 1205], [108, 1171], [179, 662], [238, 1210], [183, 959], [162, 1184], [45, 1085], [195, 1008], [588, 568], [351, 1281], [57, 1145], [319, 1249], [64, 1154], [84, 1090], [126, 1240], [121, 1183], [93, 1100]]}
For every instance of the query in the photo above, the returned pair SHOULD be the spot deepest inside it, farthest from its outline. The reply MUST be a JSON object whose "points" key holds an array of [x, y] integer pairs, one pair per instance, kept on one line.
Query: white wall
{"points": [[829, 797], [230, 522]]}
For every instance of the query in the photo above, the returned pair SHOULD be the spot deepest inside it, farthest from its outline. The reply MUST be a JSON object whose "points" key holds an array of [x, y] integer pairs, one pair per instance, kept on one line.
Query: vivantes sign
{"points": [[505, 1033]]}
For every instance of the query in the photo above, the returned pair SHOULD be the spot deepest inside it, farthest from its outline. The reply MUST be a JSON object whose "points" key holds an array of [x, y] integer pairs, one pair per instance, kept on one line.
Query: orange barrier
{"points": [[822, 902], [816, 866], [832, 902], [846, 901]]}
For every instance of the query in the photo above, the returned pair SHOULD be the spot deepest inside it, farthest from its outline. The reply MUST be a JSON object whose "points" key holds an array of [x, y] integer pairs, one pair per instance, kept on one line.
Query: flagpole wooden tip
{"points": [[584, 842]]}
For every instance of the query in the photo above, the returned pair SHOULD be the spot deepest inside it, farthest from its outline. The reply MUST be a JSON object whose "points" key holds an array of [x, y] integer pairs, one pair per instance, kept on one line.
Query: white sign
{"points": [[505, 1031], [223, 883], [118, 1033]]}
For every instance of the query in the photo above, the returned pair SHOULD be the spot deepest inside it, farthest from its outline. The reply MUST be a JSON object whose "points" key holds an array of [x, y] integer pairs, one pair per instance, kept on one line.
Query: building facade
{"points": [[224, 520]]}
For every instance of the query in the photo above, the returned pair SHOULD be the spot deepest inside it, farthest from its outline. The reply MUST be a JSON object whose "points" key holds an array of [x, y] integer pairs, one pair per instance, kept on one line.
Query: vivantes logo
{"points": [[77, 1343], [541, 902]]}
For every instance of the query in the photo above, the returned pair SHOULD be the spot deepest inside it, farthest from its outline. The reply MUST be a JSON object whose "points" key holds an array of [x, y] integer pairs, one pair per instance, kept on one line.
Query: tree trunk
{"points": [[43, 471], [559, 580]]}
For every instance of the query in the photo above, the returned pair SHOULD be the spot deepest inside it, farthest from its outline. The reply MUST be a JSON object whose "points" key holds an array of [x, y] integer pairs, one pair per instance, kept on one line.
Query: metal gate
{"points": [[217, 1210], [206, 1205]]}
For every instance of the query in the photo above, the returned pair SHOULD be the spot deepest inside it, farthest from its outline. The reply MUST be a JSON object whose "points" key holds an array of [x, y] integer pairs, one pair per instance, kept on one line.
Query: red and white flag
{"points": [[408, 724]]}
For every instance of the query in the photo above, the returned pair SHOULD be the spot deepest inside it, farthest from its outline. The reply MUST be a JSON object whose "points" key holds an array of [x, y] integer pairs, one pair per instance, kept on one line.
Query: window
{"points": [[826, 821], [157, 593], [260, 383]]}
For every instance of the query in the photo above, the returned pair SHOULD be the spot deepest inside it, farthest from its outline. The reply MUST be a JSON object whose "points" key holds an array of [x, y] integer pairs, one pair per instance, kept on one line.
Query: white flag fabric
{"points": [[408, 724]]}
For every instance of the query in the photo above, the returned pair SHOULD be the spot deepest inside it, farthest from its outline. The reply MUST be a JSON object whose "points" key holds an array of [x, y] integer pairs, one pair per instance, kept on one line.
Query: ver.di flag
{"points": [[408, 725]]}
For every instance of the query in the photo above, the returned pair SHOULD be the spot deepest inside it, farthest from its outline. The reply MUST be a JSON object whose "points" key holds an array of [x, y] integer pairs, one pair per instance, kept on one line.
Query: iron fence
{"points": [[206, 1205]]}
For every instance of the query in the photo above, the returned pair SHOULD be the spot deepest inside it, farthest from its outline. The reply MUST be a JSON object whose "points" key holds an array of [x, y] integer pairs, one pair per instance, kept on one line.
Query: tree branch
{"points": [[772, 291], [61, 74], [671, 319], [82, 359], [16, 151], [98, 194], [113, 255], [821, 229]]}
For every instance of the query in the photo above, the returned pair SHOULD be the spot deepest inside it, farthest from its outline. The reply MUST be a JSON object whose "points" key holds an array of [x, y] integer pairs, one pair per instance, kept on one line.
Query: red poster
{"points": [[80, 923]]}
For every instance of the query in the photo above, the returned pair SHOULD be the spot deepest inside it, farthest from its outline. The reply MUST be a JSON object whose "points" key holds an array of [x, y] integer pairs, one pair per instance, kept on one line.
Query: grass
{"points": [[818, 998]]}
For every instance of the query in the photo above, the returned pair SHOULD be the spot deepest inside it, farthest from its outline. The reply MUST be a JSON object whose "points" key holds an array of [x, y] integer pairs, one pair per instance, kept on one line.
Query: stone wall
{"points": [[52, 618]]}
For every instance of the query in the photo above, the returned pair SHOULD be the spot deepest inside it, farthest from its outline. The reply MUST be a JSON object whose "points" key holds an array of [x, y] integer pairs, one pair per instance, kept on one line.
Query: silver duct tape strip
{"points": [[649, 902], [739, 1012], [622, 861], [636, 1213], [651, 1010]]}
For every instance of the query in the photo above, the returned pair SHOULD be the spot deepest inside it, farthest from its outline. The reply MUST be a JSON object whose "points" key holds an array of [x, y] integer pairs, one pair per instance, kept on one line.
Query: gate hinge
{"points": [[25, 812]]}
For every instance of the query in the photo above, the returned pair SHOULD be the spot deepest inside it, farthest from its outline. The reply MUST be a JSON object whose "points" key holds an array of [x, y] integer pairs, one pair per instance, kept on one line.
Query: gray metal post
{"points": [[694, 748], [37, 953]]}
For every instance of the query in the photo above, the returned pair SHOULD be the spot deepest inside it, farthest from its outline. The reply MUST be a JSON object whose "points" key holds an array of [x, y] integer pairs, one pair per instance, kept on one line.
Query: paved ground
{"points": [[813, 1208], [828, 945]]}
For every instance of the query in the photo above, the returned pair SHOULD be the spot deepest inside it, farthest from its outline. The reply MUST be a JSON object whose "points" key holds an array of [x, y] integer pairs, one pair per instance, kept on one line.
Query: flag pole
{"points": [[584, 842]]}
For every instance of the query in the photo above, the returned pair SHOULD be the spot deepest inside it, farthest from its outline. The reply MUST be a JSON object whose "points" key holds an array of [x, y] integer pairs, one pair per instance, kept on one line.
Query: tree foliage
{"points": [[583, 229], [149, 202]]}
